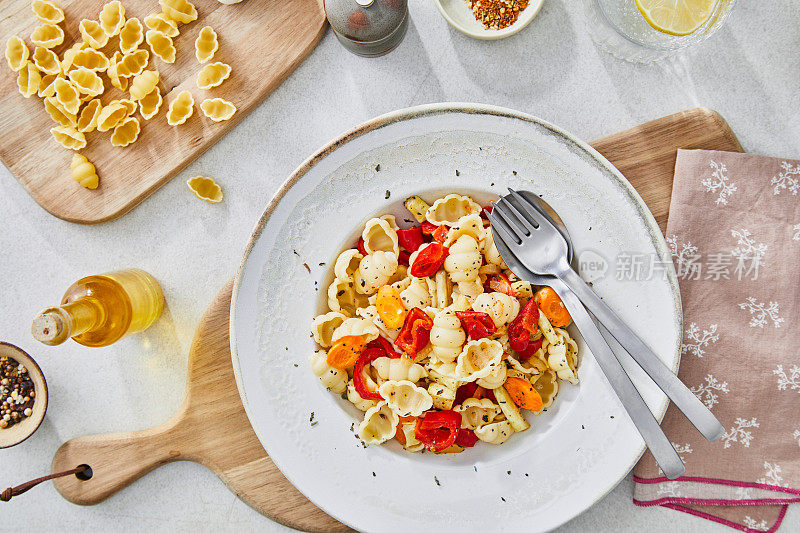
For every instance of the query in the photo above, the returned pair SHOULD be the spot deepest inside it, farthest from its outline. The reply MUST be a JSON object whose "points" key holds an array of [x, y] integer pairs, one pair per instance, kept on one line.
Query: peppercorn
{"points": [[16, 393]]}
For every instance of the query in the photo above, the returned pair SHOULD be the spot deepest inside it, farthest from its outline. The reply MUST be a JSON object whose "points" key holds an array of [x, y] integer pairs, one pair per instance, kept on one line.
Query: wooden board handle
{"points": [[117, 460]]}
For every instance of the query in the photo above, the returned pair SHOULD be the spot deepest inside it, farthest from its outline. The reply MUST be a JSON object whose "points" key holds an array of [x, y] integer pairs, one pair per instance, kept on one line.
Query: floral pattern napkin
{"points": [[734, 234]]}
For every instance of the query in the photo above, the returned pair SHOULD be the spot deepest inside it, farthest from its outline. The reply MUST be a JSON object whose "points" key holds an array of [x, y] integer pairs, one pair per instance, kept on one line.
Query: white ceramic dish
{"points": [[459, 15], [573, 455]]}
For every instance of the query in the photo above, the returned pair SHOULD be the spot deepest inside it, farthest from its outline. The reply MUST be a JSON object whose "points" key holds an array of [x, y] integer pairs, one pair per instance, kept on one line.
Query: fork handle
{"points": [[662, 450], [684, 399]]}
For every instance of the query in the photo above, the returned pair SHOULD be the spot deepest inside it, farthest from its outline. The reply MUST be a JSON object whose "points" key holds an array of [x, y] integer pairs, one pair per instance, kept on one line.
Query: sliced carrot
{"points": [[523, 394], [390, 307], [345, 351], [552, 307]]}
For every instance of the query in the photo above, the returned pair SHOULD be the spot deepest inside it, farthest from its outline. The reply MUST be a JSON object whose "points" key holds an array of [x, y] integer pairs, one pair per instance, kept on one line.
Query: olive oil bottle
{"points": [[99, 310]]}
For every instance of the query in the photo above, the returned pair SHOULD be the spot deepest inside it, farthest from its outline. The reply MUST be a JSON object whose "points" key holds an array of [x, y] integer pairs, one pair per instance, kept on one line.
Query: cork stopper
{"points": [[51, 326]]}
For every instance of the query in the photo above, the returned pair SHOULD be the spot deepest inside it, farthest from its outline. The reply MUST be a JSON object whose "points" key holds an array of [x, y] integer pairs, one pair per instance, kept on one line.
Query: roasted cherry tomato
{"points": [[552, 307], [345, 351], [390, 307]]}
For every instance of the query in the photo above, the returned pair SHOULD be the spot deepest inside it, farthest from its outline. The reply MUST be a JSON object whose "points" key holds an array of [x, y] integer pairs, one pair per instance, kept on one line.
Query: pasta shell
{"points": [[132, 64], [87, 120], [16, 53], [86, 81], [126, 132], [217, 109], [28, 80], [47, 11], [46, 61], [83, 171], [46, 86], [323, 326], [149, 105], [451, 208], [69, 137], [131, 35], [111, 115], [180, 109], [212, 75], [116, 80], [162, 23], [143, 84], [405, 398], [379, 425], [59, 115], [161, 46], [93, 33], [67, 95], [90, 59], [206, 44], [478, 359], [205, 188], [112, 17], [47, 35], [331, 378], [179, 10]]}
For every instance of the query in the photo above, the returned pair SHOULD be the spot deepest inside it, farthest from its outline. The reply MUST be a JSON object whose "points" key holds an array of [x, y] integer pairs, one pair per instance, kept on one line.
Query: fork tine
{"points": [[502, 228], [533, 213], [511, 210]]}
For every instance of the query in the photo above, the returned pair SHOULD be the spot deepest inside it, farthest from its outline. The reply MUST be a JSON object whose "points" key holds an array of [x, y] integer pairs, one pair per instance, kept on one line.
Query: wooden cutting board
{"points": [[229, 447], [262, 40]]}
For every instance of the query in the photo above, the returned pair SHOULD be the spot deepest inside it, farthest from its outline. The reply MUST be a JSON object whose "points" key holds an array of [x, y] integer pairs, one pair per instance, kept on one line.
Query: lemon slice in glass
{"points": [[676, 17]]}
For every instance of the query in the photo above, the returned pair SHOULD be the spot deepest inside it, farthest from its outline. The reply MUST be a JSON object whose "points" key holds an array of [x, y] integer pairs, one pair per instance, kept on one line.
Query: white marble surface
{"points": [[748, 72]]}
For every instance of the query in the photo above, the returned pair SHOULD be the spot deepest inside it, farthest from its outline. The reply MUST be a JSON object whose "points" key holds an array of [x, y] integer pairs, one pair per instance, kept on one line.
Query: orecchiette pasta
{"points": [[16, 53], [83, 171], [112, 17], [47, 11], [217, 109], [126, 132], [181, 11], [161, 46], [330, 377], [47, 35], [451, 330], [180, 109], [379, 424], [212, 75], [131, 35], [206, 44]]}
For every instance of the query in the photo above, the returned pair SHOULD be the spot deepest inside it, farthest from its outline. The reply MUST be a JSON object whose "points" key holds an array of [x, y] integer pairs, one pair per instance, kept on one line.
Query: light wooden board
{"points": [[262, 40], [230, 448]]}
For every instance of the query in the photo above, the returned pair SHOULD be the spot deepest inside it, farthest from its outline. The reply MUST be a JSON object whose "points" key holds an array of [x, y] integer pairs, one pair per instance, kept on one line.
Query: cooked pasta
{"points": [[206, 44], [83, 171], [467, 350]]}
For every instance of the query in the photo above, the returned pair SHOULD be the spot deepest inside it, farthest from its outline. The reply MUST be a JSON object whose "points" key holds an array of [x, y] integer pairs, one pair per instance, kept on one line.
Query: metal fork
{"points": [[540, 248], [660, 446]]}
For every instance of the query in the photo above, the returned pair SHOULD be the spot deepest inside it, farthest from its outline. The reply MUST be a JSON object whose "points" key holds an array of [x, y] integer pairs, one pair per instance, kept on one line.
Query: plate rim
{"points": [[410, 113]]}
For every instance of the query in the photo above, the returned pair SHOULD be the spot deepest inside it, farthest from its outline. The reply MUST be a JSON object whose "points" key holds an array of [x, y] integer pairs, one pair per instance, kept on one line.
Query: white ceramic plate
{"points": [[573, 455], [460, 16]]}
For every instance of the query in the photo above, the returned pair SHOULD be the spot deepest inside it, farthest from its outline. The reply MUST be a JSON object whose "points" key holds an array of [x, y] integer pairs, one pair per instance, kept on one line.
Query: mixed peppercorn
{"points": [[16, 392], [497, 14]]}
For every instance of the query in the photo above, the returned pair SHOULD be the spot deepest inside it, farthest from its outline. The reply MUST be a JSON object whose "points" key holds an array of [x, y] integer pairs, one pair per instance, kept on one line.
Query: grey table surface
{"points": [[748, 71]]}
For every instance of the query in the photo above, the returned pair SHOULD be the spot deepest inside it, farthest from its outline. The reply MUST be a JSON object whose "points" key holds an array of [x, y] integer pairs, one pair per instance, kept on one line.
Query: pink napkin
{"points": [[734, 234]]}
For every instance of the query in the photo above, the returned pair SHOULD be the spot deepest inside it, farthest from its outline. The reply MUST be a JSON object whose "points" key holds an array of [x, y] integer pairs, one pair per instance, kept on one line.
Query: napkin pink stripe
{"points": [[726, 522], [714, 481]]}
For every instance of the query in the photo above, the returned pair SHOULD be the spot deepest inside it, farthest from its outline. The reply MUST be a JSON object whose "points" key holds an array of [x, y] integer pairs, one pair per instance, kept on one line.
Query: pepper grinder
{"points": [[368, 28]]}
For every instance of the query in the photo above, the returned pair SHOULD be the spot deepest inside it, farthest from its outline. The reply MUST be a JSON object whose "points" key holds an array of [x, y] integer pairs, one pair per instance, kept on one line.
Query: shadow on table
{"points": [[514, 65]]}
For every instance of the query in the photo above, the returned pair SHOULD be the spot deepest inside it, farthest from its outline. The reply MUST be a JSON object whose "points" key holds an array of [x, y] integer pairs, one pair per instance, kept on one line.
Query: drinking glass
{"points": [[619, 28]]}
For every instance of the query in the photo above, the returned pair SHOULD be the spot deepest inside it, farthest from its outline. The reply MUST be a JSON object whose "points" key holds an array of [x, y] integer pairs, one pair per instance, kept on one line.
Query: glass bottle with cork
{"points": [[101, 309]]}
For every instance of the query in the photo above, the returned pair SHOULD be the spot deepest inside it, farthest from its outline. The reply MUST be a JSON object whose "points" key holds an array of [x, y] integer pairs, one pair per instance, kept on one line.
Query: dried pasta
{"points": [[28, 80], [88, 58], [86, 81], [83, 171], [143, 84], [217, 109], [67, 95], [465, 339], [47, 35], [112, 17], [17, 53], [47, 11], [93, 33], [162, 23], [180, 109], [112, 114], [126, 132], [69, 137], [87, 119], [212, 75], [46, 86], [57, 113], [181, 11], [161, 46], [131, 35], [46, 61], [206, 44], [150, 103], [205, 188], [130, 65]]}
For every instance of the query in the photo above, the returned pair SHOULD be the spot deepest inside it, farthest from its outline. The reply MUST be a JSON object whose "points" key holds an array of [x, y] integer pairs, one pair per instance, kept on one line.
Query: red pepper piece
{"points": [[366, 357], [386, 346], [428, 260], [403, 258], [415, 333], [440, 235], [361, 247], [465, 391], [478, 325], [438, 430], [525, 323], [466, 438], [489, 393], [410, 238], [428, 228], [485, 210], [500, 283], [532, 348]]}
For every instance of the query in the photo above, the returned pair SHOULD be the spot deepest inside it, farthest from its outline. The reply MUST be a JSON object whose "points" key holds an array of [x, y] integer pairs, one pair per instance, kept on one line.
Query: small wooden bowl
{"points": [[22, 430]]}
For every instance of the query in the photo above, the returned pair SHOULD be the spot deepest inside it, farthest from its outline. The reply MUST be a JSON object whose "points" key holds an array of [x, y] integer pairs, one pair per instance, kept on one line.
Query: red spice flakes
{"points": [[497, 14]]}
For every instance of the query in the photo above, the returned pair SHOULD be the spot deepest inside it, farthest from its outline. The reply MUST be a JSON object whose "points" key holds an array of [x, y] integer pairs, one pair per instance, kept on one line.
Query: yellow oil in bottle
{"points": [[99, 310]]}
